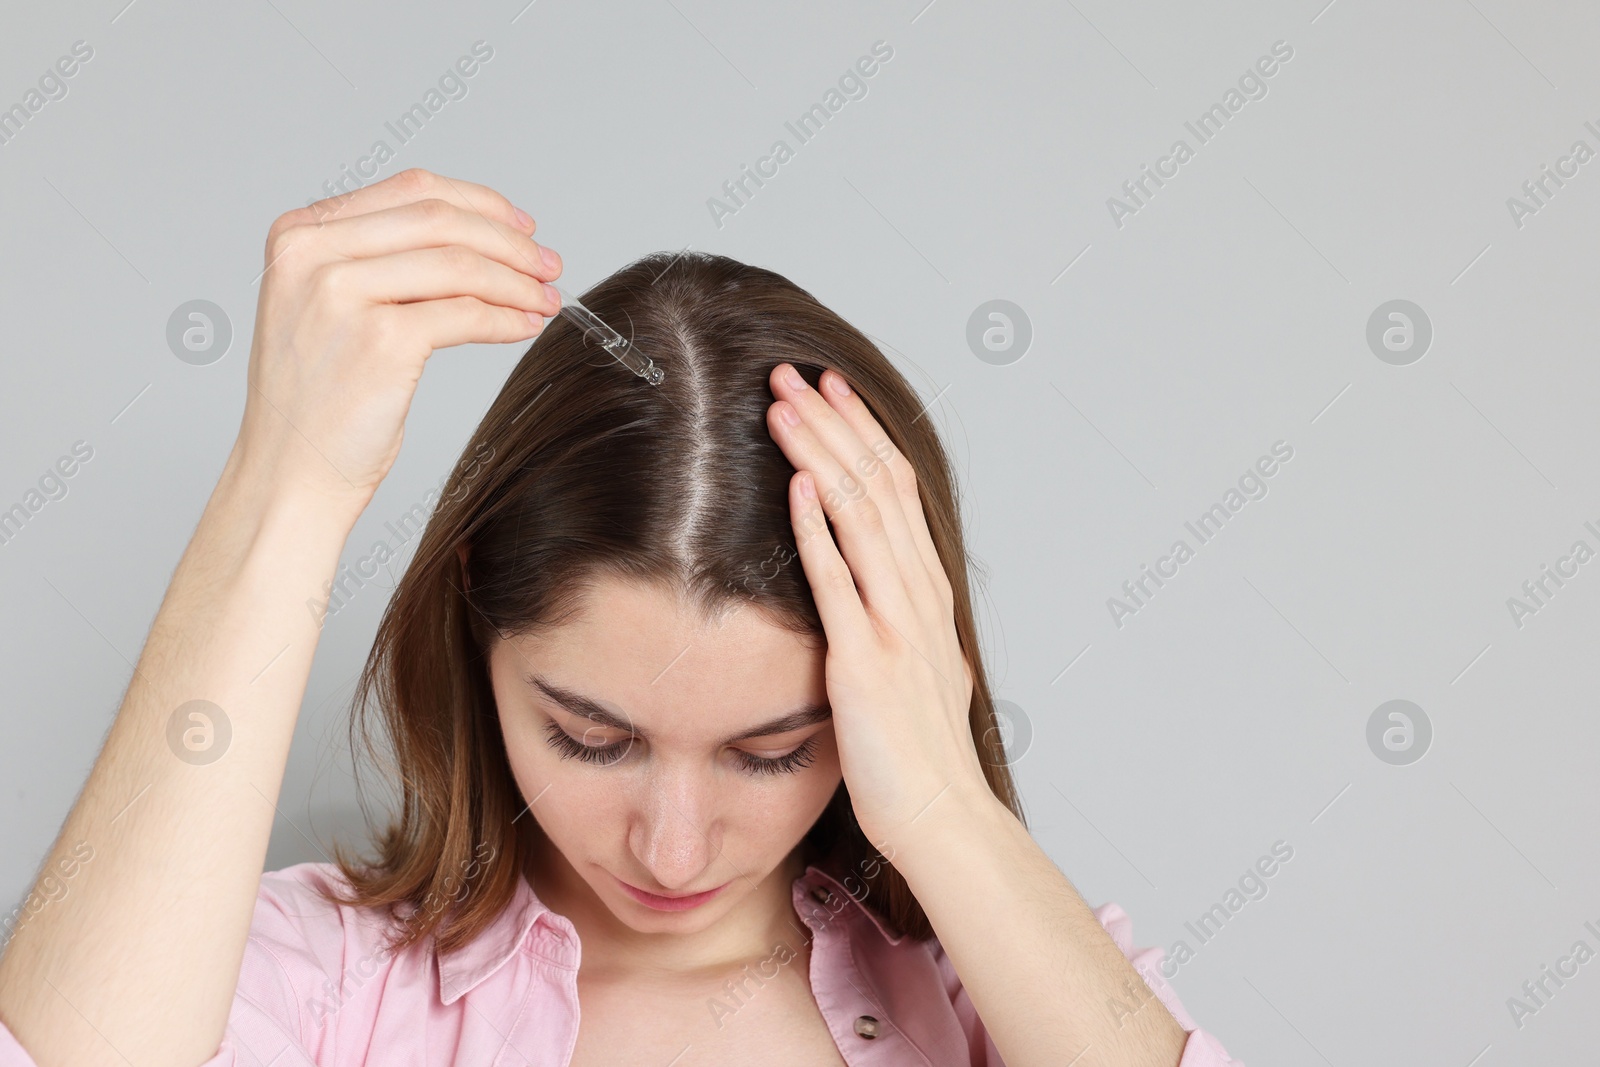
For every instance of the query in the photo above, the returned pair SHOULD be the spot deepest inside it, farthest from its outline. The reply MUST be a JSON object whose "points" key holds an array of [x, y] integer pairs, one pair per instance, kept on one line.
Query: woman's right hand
{"points": [[358, 292]]}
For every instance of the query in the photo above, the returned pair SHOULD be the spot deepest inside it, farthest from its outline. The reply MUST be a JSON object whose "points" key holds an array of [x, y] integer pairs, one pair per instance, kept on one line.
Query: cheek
{"points": [[532, 761], [580, 817], [781, 811], [564, 792]]}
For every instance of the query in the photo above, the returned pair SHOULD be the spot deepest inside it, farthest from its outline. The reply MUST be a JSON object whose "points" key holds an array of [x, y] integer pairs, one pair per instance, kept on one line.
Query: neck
{"points": [[762, 920]]}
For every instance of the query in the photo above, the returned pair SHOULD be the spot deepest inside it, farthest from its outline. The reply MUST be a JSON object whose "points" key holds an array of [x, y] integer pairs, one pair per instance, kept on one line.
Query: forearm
{"points": [[1040, 968], [138, 960]]}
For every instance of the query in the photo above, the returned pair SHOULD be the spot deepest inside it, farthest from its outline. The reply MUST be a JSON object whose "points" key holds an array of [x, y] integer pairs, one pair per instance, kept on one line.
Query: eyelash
{"points": [[605, 755]]}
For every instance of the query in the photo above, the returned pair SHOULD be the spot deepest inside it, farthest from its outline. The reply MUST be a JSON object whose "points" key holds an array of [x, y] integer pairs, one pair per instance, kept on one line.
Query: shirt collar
{"points": [[462, 968], [823, 888], [466, 965]]}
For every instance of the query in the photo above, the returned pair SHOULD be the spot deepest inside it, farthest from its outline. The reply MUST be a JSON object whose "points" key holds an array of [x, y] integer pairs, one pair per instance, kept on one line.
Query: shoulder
{"points": [[296, 905], [307, 953]]}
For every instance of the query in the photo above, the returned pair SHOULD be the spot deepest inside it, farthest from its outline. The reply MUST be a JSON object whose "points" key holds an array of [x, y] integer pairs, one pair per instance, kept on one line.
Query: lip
{"points": [[678, 903]]}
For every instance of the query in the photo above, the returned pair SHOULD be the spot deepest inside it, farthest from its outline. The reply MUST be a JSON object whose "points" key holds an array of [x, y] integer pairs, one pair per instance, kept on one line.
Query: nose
{"points": [[675, 833]]}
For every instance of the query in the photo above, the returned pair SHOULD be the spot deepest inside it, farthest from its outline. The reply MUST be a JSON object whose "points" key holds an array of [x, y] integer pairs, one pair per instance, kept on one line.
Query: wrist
{"points": [[260, 534], [961, 814], [252, 485]]}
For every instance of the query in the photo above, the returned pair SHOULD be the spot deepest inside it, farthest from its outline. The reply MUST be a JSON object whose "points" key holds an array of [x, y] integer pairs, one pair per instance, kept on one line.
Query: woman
{"points": [[711, 759]]}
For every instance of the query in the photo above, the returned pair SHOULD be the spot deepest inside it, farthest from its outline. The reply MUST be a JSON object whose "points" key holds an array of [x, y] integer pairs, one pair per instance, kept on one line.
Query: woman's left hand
{"points": [[898, 681]]}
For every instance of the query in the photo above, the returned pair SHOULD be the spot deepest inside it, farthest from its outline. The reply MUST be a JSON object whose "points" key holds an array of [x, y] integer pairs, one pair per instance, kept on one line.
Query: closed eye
{"points": [[569, 747], [804, 756]]}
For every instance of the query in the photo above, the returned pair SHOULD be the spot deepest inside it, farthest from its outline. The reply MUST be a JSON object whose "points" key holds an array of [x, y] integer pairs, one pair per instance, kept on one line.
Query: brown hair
{"points": [[581, 468]]}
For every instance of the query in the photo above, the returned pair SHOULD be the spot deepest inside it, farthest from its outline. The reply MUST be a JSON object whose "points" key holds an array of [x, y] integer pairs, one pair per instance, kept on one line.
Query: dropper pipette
{"points": [[613, 342]]}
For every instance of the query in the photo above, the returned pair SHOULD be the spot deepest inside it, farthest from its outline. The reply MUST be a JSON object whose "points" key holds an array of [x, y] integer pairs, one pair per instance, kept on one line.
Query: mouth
{"points": [[679, 902]]}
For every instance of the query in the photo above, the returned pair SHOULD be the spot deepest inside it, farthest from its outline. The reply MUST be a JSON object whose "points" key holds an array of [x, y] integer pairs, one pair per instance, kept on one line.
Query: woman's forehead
{"points": [[637, 653]]}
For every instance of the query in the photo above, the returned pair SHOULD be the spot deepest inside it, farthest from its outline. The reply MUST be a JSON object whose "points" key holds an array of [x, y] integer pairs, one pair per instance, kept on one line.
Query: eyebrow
{"points": [[584, 707]]}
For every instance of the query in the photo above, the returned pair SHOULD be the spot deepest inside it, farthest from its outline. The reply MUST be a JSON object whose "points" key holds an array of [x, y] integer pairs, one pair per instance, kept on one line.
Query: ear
{"points": [[461, 553]]}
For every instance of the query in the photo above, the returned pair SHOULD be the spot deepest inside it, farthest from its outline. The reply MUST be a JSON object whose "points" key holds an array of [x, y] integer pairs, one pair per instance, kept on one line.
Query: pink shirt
{"points": [[316, 988]]}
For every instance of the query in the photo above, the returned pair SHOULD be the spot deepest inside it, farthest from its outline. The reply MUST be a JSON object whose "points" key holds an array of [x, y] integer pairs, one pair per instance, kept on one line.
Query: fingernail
{"points": [[523, 218], [553, 293], [840, 386], [792, 376], [808, 488], [534, 317], [551, 260], [788, 414]]}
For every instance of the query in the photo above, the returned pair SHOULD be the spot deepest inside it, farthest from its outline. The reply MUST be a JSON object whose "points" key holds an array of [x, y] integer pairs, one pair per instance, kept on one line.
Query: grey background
{"points": [[1167, 355]]}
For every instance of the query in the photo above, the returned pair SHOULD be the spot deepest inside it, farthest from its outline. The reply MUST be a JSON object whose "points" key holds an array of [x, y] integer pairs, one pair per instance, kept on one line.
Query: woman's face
{"points": [[664, 755]]}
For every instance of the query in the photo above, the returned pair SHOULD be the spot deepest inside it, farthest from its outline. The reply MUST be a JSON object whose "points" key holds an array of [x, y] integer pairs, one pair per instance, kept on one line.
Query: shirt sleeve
{"points": [[265, 1022], [1200, 1050]]}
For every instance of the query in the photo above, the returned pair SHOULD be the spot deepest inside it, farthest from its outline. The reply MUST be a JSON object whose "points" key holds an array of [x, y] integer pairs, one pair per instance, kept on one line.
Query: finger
{"points": [[855, 412], [856, 516], [460, 320], [435, 273], [430, 222], [833, 585], [851, 452], [410, 185]]}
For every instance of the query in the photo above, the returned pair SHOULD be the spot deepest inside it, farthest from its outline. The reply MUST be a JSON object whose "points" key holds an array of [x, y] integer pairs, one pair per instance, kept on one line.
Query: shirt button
{"points": [[821, 895], [867, 1027]]}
